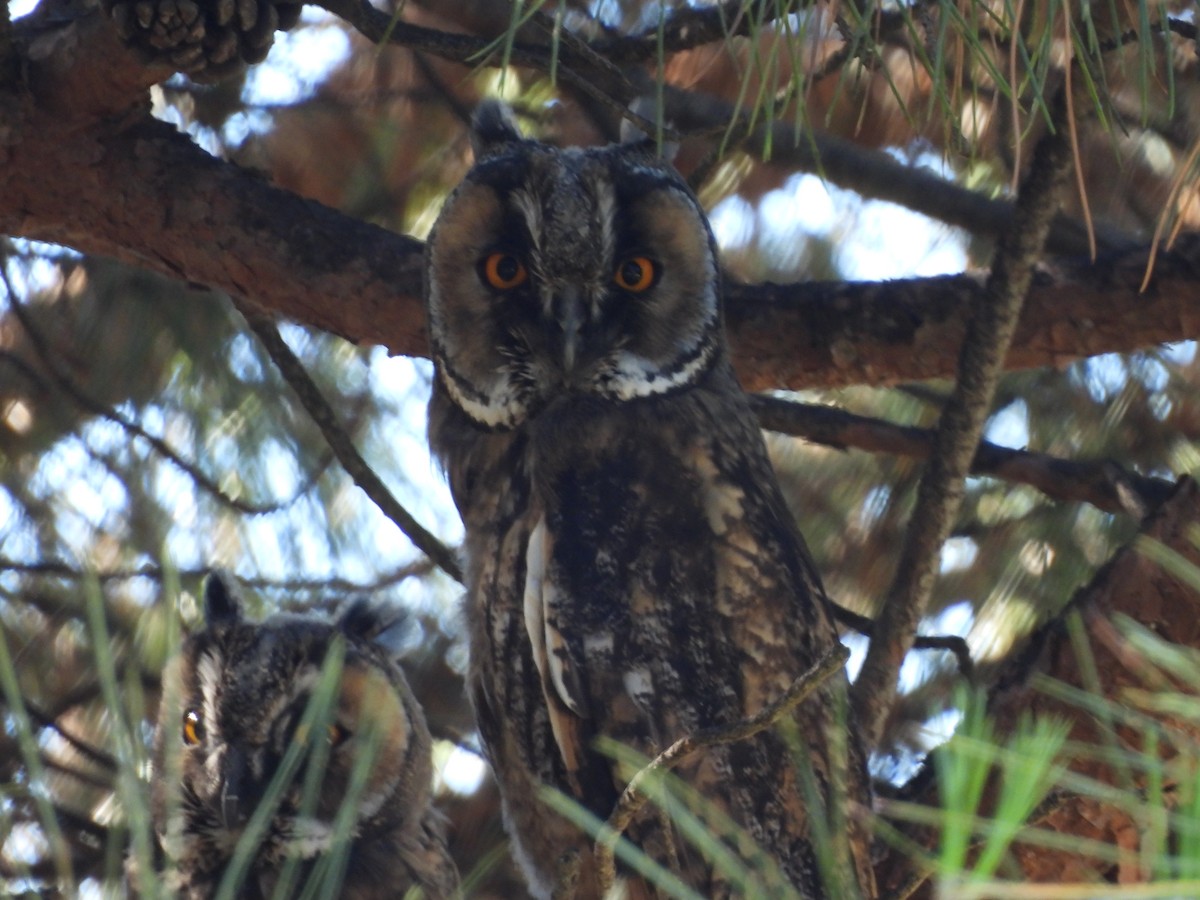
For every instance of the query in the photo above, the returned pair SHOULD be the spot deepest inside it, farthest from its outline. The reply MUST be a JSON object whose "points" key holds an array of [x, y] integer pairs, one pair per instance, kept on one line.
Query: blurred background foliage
{"points": [[145, 437]]}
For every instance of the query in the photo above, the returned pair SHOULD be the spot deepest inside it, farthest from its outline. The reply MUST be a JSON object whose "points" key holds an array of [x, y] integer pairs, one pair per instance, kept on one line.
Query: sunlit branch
{"points": [[990, 329], [1104, 484], [325, 418]]}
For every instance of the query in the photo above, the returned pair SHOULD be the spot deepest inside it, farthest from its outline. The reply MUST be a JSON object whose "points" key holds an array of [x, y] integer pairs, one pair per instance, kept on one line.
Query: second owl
{"points": [[237, 702]]}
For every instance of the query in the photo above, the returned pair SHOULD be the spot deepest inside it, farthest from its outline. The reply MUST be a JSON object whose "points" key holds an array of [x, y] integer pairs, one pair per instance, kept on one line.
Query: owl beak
{"points": [[570, 317]]}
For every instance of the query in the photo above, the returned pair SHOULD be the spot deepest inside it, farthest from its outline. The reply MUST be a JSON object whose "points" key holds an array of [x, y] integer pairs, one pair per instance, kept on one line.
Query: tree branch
{"points": [[1104, 484], [326, 420], [59, 569], [148, 196], [939, 495], [90, 405]]}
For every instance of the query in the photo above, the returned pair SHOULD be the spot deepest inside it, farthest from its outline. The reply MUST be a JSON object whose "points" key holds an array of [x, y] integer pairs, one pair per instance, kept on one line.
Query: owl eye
{"points": [[635, 274], [503, 271], [193, 728], [338, 735]]}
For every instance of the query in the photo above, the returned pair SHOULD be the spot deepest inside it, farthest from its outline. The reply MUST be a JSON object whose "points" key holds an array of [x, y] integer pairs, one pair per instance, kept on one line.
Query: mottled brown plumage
{"points": [[233, 702], [632, 570]]}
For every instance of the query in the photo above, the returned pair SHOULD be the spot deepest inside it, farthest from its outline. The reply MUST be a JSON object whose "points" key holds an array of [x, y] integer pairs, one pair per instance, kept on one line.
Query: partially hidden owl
{"points": [[234, 704], [632, 570]]}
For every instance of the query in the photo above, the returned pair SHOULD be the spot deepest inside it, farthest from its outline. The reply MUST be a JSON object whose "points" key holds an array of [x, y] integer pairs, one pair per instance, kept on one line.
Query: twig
{"points": [[1104, 484], [873, 173], [633, 798], [325, 418], [949, 642], [89, 404], [58, 569], [939, 495], [99, 757]]}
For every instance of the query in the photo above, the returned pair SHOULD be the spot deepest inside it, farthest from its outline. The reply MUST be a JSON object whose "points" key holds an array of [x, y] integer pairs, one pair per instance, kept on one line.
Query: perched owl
{"points": [[233, 702], [632, 570]]}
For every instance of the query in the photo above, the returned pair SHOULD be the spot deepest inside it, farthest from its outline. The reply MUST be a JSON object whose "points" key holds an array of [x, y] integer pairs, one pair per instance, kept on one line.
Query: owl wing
{"points": [[560, 673]]}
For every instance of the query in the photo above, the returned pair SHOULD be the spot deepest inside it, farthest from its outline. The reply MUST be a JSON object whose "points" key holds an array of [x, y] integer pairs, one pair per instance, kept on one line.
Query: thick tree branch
{"points": [[148, 196], [939, 495]]}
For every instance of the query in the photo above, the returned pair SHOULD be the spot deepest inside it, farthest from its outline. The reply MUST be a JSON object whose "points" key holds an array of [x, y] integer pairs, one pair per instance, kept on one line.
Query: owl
{"points": [[633, 575], [233, 714]]}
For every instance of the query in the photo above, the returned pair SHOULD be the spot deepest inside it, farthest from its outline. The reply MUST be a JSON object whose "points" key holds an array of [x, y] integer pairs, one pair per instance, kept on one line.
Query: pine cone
{"points": [[208, 40]]}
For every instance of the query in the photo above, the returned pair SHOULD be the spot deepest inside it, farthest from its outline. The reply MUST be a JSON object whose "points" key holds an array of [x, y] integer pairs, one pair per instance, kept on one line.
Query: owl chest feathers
{"points": [[637, 559]]}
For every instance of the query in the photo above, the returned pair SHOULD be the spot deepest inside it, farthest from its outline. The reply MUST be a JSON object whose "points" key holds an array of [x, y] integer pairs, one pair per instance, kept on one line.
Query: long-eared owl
{"points": [[235, 700], [632, 570]]}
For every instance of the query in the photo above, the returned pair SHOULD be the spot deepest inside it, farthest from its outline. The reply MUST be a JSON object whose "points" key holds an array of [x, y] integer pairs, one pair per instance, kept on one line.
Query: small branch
{"points": [[326, 420], [940, 493], [84, 748], [577, 65], [1104, 484], [90, 405], [632, 799], [692, 26], [872, 173], [950, 642], [59, 569]]}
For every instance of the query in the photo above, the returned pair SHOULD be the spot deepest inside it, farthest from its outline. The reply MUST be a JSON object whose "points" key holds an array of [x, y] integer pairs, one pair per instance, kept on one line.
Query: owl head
{"points": [[239, 727], [564, 272]]}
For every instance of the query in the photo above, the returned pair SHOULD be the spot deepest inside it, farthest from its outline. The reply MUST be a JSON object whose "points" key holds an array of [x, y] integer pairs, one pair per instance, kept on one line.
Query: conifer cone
{"points": [[208, 40]]}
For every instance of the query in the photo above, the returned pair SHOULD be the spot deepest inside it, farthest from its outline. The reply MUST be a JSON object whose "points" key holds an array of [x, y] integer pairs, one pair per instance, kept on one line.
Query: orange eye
{"points": [[635, 274], [504, 271], [193, 728], [337, 735]]}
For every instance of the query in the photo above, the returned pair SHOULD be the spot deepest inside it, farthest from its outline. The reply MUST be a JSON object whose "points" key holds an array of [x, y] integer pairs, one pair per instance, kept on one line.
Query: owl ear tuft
{"points": [[493, 127], [377, 623], [221, 603], [364, 619]]}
